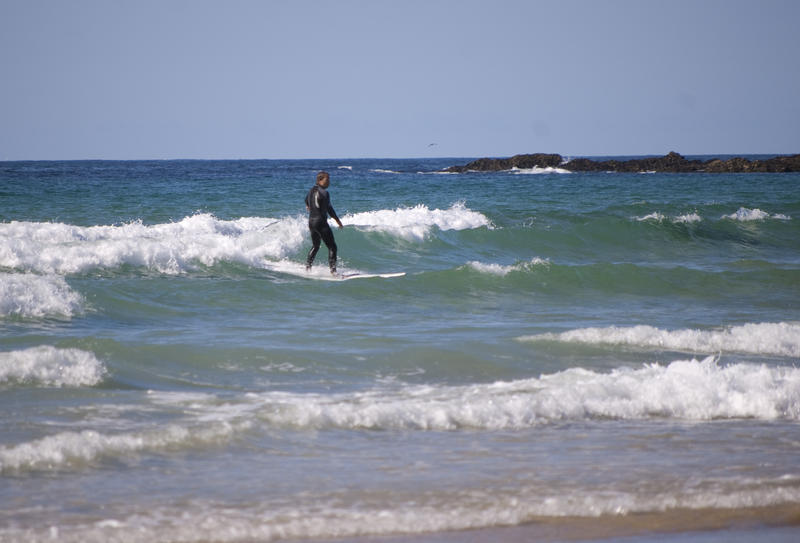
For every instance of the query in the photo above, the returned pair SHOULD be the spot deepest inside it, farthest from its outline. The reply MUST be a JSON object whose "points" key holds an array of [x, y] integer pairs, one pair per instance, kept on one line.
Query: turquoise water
{"points": [[562, 346]]}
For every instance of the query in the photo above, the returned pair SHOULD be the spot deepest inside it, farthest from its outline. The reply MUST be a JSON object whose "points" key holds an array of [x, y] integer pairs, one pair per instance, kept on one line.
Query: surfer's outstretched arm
{"points": [[335, 217]]}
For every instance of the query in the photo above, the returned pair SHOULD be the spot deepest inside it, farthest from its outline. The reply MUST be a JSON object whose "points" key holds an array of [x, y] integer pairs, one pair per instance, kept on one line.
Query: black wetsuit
{"points": [[319, 206]]}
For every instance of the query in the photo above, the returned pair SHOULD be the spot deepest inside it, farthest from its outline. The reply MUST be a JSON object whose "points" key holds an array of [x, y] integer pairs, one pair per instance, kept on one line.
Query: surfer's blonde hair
{"points": [[321, 176]]}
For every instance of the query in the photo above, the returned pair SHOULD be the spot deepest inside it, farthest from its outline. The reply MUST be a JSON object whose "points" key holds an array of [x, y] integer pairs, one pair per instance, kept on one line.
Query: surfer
{"points": [[318, 204]]}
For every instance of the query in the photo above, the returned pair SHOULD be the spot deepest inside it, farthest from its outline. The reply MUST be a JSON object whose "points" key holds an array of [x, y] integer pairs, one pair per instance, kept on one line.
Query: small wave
{"points": [[415, 223], [683, 390], [655, 216], [781, 339], [69, 449], [538, 171], [380, 170], [282, 367], [744, 214], [344, 515], [501, 270], [50, 367], [687, 218], [36, 296], [350, 168]]}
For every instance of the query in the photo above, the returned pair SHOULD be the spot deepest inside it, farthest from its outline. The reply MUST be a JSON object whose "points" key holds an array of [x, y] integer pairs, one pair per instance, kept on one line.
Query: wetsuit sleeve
{"points": [[332, 213]]}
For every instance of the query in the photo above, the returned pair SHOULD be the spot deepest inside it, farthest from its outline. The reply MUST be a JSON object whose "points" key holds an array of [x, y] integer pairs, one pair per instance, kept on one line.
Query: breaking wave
{"points": [[70, 449], [415, 223], [781, 339], [334, 516], [537, 170], [501, 270], [744, 214], [689, 390], [199, 240], [50, 367], [35, 296], [686, 390], [687, 218]]}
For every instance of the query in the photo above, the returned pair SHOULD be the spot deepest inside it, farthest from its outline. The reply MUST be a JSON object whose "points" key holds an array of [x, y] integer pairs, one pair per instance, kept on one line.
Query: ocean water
{"points": [[577, 351]]}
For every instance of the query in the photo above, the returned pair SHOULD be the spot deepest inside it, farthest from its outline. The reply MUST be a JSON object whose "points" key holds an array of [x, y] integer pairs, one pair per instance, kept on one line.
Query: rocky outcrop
{"points": [[778, 164], [672, 162], [526, 162]]}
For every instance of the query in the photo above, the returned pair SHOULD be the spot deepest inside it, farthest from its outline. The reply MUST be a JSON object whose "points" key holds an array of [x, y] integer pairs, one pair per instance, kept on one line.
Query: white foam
{"points": [[36, 296], [416, 222], [688, 218], [330, 516], [782, 339], [538, 171], [380, 170], [69, 449], [345, 168], [685, 390], [282, 367], [167, 248], [502, 271], [51, 367], [744, 214], [656, 216], [202, 239]]}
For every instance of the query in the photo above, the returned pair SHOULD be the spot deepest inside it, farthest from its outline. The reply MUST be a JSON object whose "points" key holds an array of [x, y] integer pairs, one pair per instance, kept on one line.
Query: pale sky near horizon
{"points": [[110, 79]]}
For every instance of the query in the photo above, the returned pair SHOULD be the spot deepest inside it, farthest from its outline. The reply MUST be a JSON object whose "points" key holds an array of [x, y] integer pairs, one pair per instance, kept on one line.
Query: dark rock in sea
{"points": [[538, 160], [672, 162], [777, 164]]}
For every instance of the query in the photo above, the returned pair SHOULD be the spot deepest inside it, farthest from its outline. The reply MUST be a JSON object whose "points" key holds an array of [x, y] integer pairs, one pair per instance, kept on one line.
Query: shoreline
{"points": [[525, 534], [670, 163], [775, 524]]}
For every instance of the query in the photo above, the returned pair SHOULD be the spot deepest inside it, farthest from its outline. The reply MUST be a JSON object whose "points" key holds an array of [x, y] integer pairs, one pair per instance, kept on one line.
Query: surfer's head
{"points": [[323, 179]]}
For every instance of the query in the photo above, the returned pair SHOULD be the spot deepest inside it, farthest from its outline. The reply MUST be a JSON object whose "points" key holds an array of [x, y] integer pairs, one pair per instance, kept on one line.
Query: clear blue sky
{"points": [[346, 79]]}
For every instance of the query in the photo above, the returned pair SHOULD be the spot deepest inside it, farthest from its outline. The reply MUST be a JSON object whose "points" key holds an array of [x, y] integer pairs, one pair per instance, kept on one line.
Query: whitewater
{"points": [[567, 354]]}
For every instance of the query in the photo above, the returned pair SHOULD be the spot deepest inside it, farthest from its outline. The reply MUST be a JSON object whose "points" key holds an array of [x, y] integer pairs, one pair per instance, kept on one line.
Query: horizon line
{"points": [[466, 157]]}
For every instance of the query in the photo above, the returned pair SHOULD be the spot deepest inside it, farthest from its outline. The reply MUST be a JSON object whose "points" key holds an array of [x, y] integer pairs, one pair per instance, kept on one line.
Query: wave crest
{"points": [[35, 296], [416, 222], [781, 339], [536, 170], [198, 240], [684, 390], [744, 214], [75, 448], [167, 248], [51, 367], [502, 271]]}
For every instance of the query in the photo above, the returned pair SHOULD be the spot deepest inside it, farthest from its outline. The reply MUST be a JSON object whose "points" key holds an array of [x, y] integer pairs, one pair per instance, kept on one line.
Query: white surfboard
{"points": [[347, 277], [321, 273]]}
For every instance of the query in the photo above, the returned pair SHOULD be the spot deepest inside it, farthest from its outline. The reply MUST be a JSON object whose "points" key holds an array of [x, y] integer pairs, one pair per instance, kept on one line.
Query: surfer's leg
{"points": [[327, 237], [315, 239]]}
